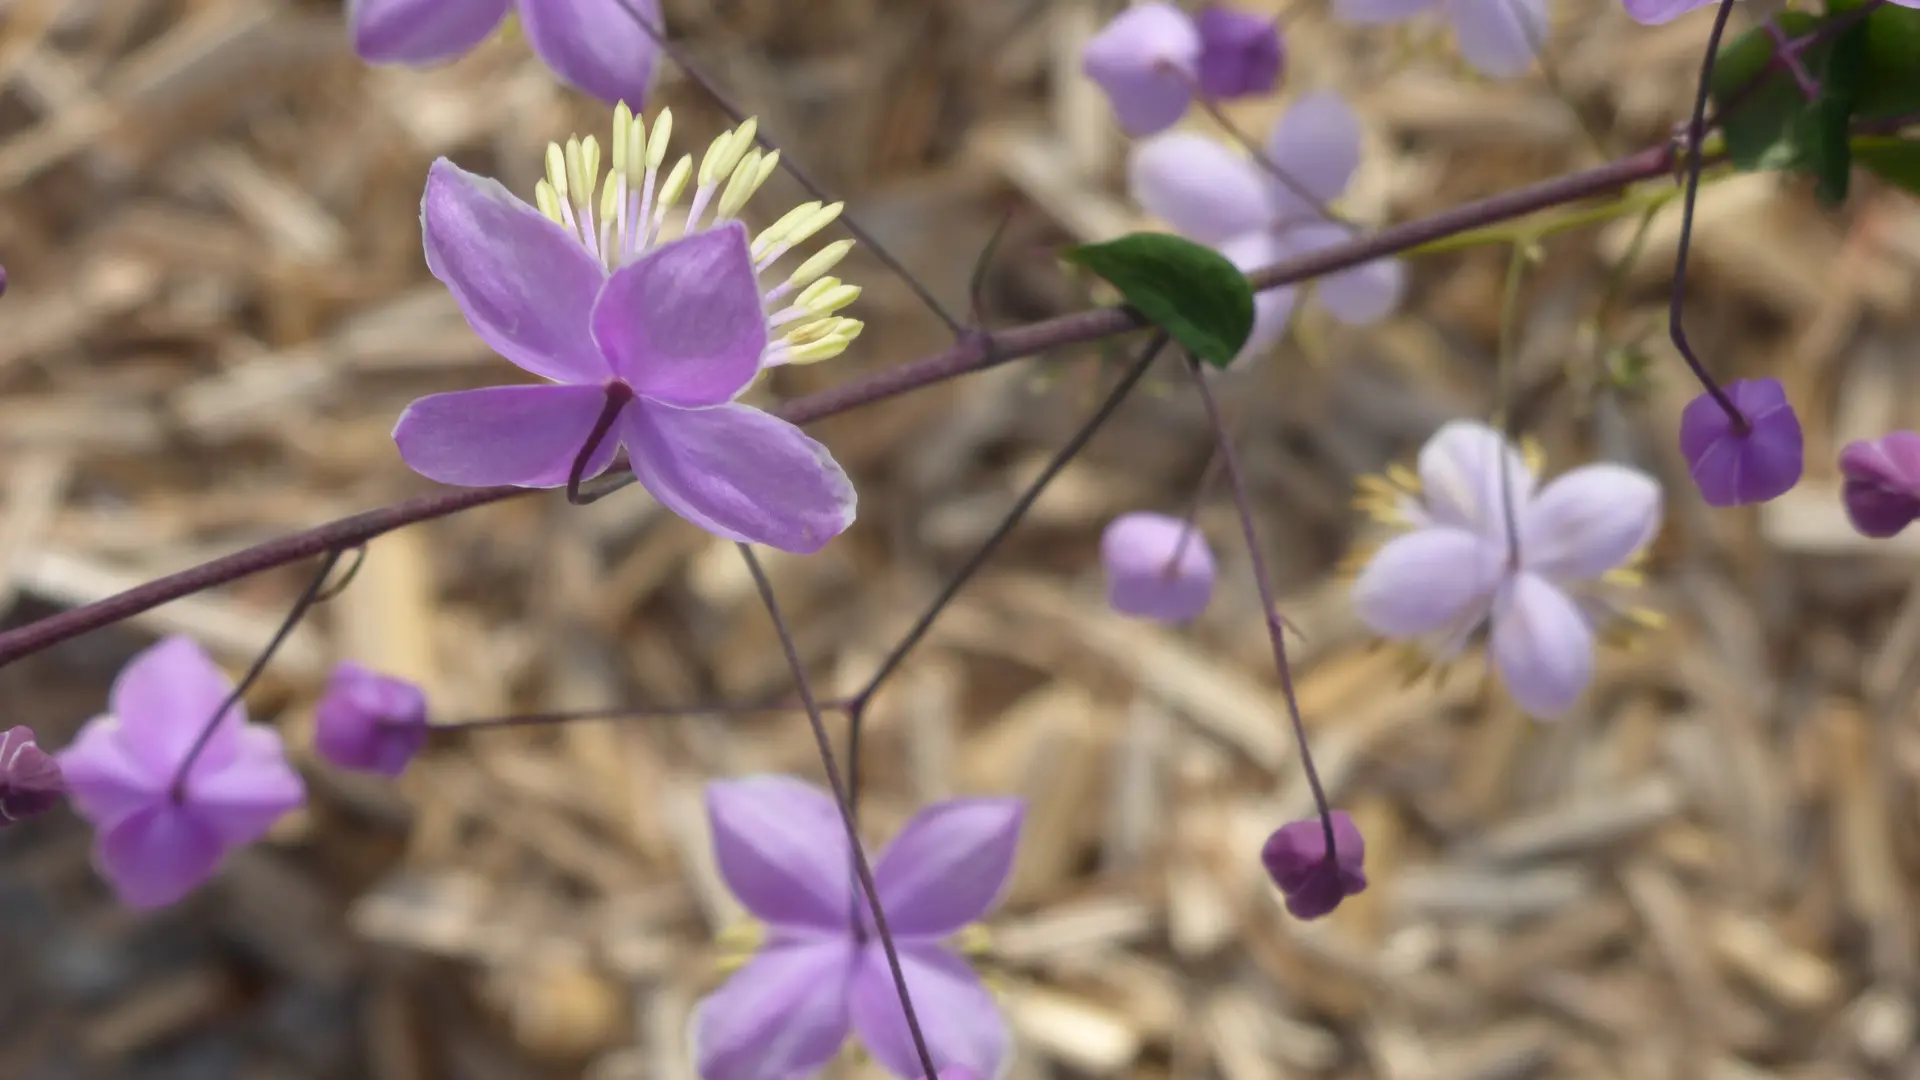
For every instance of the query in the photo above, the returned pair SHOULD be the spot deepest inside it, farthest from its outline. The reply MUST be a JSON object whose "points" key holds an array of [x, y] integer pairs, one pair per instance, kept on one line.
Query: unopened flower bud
{"points": [[370, 722]]}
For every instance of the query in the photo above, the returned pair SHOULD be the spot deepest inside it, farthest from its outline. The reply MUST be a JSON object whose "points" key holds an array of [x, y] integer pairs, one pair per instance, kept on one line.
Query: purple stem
{"points": [[619, 395], [1787, 52]]}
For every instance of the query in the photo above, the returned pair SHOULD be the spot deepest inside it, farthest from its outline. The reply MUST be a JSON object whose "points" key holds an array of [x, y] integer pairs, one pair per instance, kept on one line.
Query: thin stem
{"points": [[860, 866], [1507, 364], [619, 394], [308, 596], [1263, 584]]}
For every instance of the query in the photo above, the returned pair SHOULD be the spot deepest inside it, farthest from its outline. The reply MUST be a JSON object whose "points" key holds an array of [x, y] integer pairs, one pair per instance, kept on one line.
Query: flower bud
{"points": [[30, 781], [1733, 467], [1241, 53], [1313, 884], [1157, 567], [369, 722], [1147, 60], [1882, 490]]}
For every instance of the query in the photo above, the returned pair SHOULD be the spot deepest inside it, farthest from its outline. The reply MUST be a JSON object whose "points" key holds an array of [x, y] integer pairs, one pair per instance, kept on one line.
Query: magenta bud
{"points": [[369, 722], [1313, 884], [1147, 60], [1882, 489], [30, 781], [1157, 567], [1241, 53], [1734, 468]]}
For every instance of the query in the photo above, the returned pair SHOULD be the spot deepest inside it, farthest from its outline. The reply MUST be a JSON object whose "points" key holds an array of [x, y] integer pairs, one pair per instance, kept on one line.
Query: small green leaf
{"points": [[1843, 76], [1190, 291], [1897, 161], [1891, 84]]}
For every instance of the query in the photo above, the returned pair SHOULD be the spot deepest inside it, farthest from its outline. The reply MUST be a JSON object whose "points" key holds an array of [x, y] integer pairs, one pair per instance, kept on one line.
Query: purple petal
{"points": [[1542, 646], [947, 867], [1316, 144], [1428, 581], [782, 848], [782, 1016], [1731, 468], [421, 31], [1462, 483], [1146, 60], [1659, 12], [164, 698], [525, 285], [957, 1016], [526, 436], [1157, 567], [1360, 296], [1296, 859], [241, 801], [158, 855], [1379, 11], [1272, 308], [1199, 186], [1240, 52], [741, 474], [1500, 38], [107, 782], [30, 781], [596, 45], [1589, 521], [369, 721], [683, 325], [1882, 489]]}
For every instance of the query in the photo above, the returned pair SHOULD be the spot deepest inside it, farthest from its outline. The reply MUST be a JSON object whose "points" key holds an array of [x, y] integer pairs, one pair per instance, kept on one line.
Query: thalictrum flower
{"points": [[780, 846], [1460, 566], [1157, 567], [1240, 52], [596, 45], [1296, 859], [1500, 38], [1147, 60], [1731, 467], [661, 337], [368, 721], [1212, 194], [30, 780], [1882, 489], [160, 834]]}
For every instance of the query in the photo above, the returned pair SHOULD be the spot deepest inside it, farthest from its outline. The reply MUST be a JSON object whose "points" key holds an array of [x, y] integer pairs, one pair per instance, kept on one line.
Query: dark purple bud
{"points": [[30, 780], [368, 721], [1882, 491], [1241, 53], [1296, 858], [1734, 468]]}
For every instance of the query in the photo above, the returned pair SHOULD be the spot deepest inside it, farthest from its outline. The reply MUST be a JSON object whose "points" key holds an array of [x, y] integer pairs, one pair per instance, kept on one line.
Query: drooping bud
{"points": [[1147, 60], [30, 781], [370, 722], [1314, 884], [1882, 490], [1157, 567], [1241, 53], [1733, 467]]}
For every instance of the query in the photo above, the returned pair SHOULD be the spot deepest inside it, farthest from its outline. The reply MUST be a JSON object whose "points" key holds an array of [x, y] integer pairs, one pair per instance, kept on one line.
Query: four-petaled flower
{"points": [[1528, 563], [1216, 196], [648, 344], [160, 833], [596, 45], [781, 847], [1500, 38]]}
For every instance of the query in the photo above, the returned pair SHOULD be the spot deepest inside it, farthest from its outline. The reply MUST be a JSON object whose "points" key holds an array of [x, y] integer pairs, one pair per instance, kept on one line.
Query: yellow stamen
{"points": [[657, 145], [822, 261]]}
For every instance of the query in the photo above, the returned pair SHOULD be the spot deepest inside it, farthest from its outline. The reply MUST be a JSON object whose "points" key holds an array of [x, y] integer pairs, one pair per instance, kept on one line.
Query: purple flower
{"points": [[369, 721], [1731, 468], [158, 838], [30, 780], [1460, 567], [1240, 53], [660, 337], [780, 846], [1296, 859], [1147, 60], [1157, 567], [1882, 489], [1500, 38], [595, 45], [1218, 197]]}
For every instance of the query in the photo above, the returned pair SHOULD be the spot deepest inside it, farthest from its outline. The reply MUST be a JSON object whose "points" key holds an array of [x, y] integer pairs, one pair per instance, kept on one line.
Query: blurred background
{"points": [[209, 212]]}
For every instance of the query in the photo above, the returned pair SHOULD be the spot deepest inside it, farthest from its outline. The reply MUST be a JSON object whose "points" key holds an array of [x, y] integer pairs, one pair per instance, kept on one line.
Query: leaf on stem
{"points": [[1192, 292]]}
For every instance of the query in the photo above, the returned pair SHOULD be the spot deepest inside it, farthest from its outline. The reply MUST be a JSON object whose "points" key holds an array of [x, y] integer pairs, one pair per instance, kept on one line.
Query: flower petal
{"points": [[105, 780], [158, 855], [1500, 38], [957, 1015], [421, 31], [526, 436], [947, 867], [1359, 296], [1316, 143], [241, 801], [1272, 308], [525, 285], [1145, 60], [164, 698], [1460, 478], [782, 848], [1427, 581], [781, 1017], [1589, 521], [596, 45], [683, 324], [1542, 646], [1241, 53], [1201, 187], [1658, 12], [1379, 11], [741, 474]]}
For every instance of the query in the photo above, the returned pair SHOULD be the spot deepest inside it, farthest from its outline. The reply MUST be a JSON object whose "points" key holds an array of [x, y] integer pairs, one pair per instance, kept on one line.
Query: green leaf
{"points": [[1897, 161], [1768, 126], [1891, 84], [1843, 76], [1190, 291]]}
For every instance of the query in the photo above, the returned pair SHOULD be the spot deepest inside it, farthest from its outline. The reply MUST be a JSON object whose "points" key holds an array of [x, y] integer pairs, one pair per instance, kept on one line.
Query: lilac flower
{"points": [[1296, 859], [660, 338], [1500, 38], [1882, 489], [1460, 567], [1240, 53], [780, 846], [30, 780], [1218, 197], [1157, 567], [368, 721], [1732, 468], [595, 45], [1147, 60], [159, 837]]}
